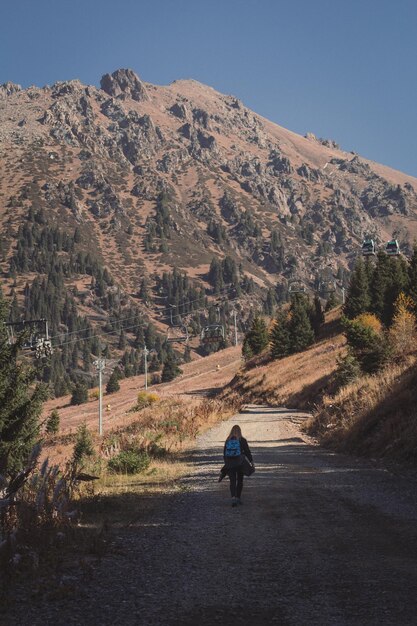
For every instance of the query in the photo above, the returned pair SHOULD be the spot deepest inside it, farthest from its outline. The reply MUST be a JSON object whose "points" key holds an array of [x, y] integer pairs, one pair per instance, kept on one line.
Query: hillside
{"points": [[298, 381], [104, 191]]}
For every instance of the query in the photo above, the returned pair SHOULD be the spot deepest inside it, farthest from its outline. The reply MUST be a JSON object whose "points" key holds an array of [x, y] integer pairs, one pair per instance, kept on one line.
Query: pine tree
{"points": [[256, 339], [113, 382], [280, 336], [357, 300], [52, 424], [170, 370], [301, 332], [331, 302], [83, 445], [79, 394], [316, 316], [412, 278], [20, 404]]}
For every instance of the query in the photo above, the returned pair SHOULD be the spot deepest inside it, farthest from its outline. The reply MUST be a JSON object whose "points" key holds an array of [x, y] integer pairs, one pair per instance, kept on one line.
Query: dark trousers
{"points": [[236, 481]]}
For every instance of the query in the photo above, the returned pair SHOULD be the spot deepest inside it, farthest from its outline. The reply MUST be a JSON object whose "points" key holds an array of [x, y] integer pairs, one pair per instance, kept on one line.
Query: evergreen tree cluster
{"points": [[295, 329], [224, 273], [46, 249], [277, 250], [180, 293], [160, 225], [244, 220], [375, 287], [217, 231]]}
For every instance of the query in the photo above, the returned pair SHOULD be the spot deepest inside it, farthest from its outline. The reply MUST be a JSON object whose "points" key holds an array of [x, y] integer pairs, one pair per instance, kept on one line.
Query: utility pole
{"points": [[234, 313], [100, 365], [145, 354], [343, 295]]}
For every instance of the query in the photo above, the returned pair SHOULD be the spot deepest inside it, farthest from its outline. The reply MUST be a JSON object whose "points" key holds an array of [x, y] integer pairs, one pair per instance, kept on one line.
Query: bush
{"points": [[94, 394], [146, 398], [129, 462]]}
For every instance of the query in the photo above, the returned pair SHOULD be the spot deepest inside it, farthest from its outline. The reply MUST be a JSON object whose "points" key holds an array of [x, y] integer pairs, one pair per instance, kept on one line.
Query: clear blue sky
{"points": [[343, 69]]}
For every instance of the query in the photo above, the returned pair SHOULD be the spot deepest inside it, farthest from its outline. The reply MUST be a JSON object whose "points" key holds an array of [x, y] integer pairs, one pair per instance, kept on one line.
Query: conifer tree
{"points": [[20, 404], [52, 424], [301, 332], [412, 278], [79, 394], [331, 302], [280, 336], [357, 300], [170, 370], [257, 338], [113, 382], [316, 316]]}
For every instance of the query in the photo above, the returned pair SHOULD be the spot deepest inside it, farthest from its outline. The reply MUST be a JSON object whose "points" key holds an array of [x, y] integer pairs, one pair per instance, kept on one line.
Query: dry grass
{"points": [[375, 416], [297, 381]]}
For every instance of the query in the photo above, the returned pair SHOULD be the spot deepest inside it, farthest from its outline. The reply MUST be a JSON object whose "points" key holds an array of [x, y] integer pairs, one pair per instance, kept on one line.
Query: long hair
{"points": [[235, 432]]}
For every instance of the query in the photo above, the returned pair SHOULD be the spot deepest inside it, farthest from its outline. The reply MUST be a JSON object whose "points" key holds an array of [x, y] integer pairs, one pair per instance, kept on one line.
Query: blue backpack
{"points": [[233, 447]]}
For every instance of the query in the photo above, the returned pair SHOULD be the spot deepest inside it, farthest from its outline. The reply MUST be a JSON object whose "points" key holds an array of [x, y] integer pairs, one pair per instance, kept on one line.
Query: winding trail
{"points": [[320, 539]]}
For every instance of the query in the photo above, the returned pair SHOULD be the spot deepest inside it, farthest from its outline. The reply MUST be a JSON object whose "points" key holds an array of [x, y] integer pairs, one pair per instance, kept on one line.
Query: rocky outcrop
{"points": [[8, 89], [180, 110], [308, 172], [124, 83]]}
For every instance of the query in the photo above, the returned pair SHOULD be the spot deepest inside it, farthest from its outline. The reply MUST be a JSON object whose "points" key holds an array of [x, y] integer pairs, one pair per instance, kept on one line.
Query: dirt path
{"points": [[320, 539]]}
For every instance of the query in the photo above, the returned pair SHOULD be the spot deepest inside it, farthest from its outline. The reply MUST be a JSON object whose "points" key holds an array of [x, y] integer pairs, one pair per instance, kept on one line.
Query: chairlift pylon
{"points": [[38, 340]]}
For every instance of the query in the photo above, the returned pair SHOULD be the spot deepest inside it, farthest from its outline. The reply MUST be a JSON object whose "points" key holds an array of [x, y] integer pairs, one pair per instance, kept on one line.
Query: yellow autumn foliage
{"points": [[369, 320], [403, 331]]}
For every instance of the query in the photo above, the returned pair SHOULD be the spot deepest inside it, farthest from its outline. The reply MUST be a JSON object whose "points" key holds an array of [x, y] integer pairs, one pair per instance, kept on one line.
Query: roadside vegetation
{"points": [[52, 516], [355, 370]]}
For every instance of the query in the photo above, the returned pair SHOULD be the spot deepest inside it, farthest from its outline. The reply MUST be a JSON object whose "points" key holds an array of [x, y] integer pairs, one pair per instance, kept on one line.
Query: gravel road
{"points": [[320, 539]]}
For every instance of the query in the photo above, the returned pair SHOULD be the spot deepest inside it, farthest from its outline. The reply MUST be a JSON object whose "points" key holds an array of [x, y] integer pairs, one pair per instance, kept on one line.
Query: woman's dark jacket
{"points": [[233, 462]]}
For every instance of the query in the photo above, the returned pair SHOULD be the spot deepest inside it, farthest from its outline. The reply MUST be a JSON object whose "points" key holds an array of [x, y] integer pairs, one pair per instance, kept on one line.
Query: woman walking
{"points": [[237, 462]]}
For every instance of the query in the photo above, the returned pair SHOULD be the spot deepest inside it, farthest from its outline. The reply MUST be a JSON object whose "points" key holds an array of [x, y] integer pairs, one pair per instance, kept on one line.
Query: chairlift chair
{"points": [[212, 333], [328, 286], [177, 334], [296, 286], [368, 247], [392, 248], [38, 340]]}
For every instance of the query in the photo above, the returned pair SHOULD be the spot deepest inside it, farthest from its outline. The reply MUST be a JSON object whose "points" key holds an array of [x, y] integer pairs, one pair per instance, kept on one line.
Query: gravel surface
{"points": [[321, 539]]}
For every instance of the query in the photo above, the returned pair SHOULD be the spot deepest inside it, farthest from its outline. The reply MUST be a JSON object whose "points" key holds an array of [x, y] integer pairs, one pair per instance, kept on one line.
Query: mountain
{"points": [[104, 191]]}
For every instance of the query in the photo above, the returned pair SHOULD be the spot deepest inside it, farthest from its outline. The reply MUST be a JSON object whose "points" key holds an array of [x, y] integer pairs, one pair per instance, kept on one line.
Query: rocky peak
{"points": [[124, 83], [7, 89]]}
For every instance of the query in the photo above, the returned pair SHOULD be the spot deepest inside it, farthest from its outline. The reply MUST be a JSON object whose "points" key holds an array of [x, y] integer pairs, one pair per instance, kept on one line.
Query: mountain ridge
{"points": [[153, 178]]}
